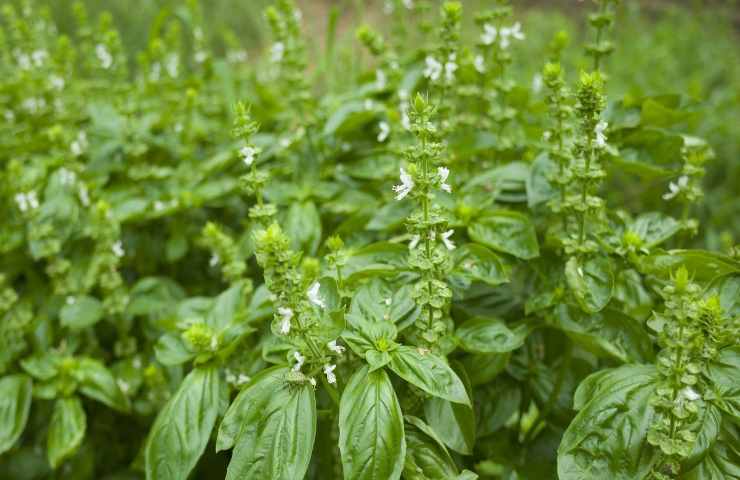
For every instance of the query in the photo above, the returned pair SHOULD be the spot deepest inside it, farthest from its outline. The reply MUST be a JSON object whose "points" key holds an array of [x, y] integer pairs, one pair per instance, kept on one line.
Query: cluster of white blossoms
{"points": [[35, 59], [434, 68], [479, 63], [34, 105], [79, 145], [299, 361], [504, 35], [104, 56], [277, 51], [27, 201], [67, 177], [407, 184], [380, 79], [286, 314], [248, 154], [389, 7], [443, 173], [674, 188], [117, 249], [445, 236], [384, 130], [56, 82], [687, 394], [214, 260], [314, 296], [600, 136]]}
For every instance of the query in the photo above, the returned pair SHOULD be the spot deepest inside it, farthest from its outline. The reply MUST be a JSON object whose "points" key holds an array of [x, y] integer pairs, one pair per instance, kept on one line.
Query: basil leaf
{"points": [[371, 434], [506, 231], [490, 335], [84, 312], [98, 383], [428, 372], [722, 461], [608, 437], [15, 403], [654, 228], [66, 430], [474, 262], [278, 431], [724, 373], [453, 422], [426, 456], [591, 281], [183, 427]]}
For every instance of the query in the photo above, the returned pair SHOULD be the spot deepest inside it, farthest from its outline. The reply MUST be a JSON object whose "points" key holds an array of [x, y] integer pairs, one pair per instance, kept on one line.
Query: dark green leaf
{"points": [[84, 312], [454, 423], [183, 427], [371, 433], [591, 281], [490, 335], [428, 372], [15, 403], [66, 430], [506, 231]]}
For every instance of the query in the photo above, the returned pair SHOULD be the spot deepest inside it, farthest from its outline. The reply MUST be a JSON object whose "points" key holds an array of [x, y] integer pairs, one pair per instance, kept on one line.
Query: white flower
{"points": [[369, 105], [84, 196], [67, 177], [200, 56], [106, 59], [172, 64], [414, 241], [34, 105], [312, 381], [433, 69], [298, 15], [27, 201], [123, 385], [489, 34], [158, 205], [689, 394], [600, 137], [299, 359], [334, 347], [546, 135], [443, 173], [277, 51], [79, 145], [407, 184], [537, 83], [236, 56], [450, 68], [314, 297], [70, 300], [38, 57], [248, 154], [56, 82], [446, 239], [242, 379], [675, 188], [215, 259], [286, 314], [329, 372], [515, 31], [117, 249], [388, 301], [24, 61], [479, 64], [380, 79], [385, 130], [409, 4]]}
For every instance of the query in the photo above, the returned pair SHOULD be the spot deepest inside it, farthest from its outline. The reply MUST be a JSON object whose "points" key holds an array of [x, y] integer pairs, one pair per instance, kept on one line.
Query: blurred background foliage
{"points": [[663, 47]]}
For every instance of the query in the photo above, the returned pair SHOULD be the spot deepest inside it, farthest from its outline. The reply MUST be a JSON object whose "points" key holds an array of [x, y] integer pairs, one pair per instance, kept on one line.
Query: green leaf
{"points": [[724, 373], [703, 266], [371, 433], [15, 403], [608, 437], [66, 430], [453, 422], [85, 312], [591, 281], [183, 427], [98, 383], [722, 461], [506, 231], [490, 335], [426, 456], [382, 258], [278, 429], [607, 333], [474, 262], [171, 349], [351, 116], [654, 228], [303, 227], [379, 300], [428, 372], [539, 187]]}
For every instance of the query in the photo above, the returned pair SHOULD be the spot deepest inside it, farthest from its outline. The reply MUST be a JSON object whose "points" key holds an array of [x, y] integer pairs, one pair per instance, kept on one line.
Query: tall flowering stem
{"points": [[430, 240], [559, 133], [601, 21]]}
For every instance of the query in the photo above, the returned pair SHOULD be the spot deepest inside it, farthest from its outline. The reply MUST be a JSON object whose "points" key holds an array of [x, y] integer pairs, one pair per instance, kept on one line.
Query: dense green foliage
{"points": [[463, 246]]}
